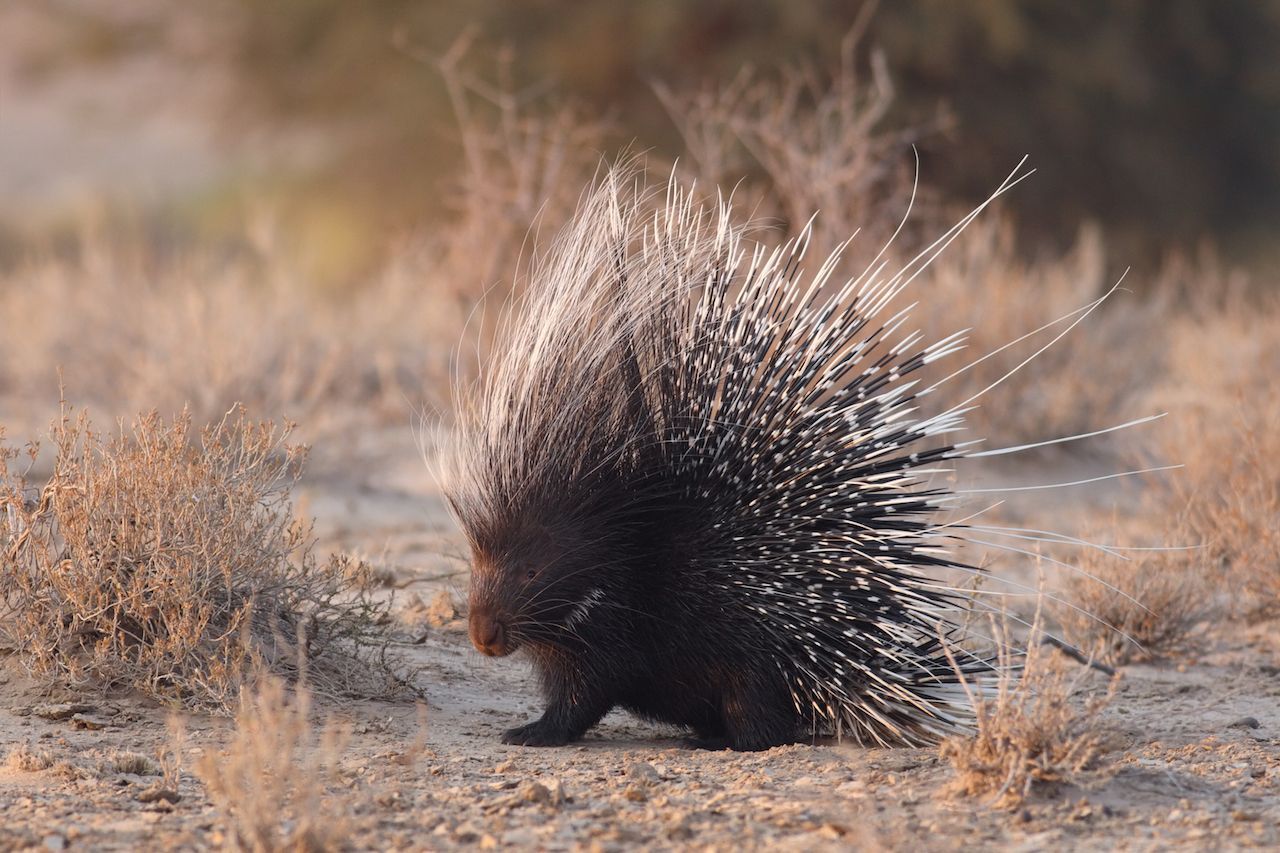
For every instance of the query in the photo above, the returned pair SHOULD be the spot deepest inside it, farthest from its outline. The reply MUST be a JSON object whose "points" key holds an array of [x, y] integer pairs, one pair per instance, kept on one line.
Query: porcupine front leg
{"points": [[573, 706]]}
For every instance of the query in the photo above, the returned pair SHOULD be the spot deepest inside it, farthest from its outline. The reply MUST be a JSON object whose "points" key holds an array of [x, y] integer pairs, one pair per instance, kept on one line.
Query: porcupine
{"points": [[696, 486]]}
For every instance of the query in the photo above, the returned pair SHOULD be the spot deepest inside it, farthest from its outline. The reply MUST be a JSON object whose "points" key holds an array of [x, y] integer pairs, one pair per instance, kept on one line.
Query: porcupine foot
{"points": [[539, 733], [573, 706], [706, 737]]}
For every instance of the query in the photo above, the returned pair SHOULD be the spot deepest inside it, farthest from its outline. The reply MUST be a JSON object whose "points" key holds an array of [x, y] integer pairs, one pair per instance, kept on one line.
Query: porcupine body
{"points": [[696, 486]]}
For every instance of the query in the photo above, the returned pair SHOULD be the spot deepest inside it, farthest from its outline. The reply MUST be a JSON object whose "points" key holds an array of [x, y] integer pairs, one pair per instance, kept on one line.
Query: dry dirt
{"points": [[1195, 759]]}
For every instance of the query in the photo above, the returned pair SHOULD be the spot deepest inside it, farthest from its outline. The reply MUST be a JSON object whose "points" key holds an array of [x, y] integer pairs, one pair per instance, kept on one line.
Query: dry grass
{"points": [[1032, 727], [1136, 610], [525, 160], [1091, 378], [131, 330], [1234, 493], [271, 783], [173, 564], [1129, 606], [810, 140], [22, 758], [1241, 522], [1222, 385], [133, 763]]}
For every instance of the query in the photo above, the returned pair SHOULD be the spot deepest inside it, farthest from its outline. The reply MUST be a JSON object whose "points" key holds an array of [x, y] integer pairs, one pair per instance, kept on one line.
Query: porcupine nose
{"points": [[488, 634]]}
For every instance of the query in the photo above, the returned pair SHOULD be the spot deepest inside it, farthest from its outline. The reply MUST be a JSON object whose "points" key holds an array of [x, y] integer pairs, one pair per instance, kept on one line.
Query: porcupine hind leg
{"points": [[707, 737], [755, 717], [574, 705]]}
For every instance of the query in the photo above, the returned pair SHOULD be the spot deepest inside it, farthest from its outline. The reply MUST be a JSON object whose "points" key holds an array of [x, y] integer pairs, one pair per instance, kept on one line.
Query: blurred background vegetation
{"points": [[318, 207], [1157, 119]]}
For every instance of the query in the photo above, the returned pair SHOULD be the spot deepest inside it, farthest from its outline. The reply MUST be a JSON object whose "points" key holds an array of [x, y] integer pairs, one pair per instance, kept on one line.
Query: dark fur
{"points": [[658, 643], [668, 639]]}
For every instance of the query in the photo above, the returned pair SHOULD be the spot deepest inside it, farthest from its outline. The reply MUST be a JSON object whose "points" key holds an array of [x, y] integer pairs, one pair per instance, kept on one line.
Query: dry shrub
{"points": [[807, 140], [22, 758], [132, 763], [1221, 393], [270, 784], [1031, 727], [1093, 377], [525, 159], [1233, 489], [174, 565], [133, 330], [1136, 606]]}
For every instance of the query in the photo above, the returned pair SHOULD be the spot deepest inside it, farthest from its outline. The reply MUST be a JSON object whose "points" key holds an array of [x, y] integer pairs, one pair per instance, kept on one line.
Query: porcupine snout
{"points": [[489, 633]]}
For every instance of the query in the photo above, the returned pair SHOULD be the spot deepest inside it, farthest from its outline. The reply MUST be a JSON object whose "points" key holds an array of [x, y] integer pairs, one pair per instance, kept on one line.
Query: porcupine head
{"points": [[696, 486]]}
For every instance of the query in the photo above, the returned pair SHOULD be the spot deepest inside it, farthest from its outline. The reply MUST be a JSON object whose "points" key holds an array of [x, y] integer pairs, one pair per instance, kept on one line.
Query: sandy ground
{"points": [[1195, 757]]}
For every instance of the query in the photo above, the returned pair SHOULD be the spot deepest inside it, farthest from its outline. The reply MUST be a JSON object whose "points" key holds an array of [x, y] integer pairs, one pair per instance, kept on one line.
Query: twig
{"points": [[1076, 655], [429, 579]]}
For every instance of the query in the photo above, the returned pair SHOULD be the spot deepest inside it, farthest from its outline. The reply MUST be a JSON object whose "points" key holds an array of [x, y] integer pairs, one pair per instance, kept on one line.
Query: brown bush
{"points": [[1221, 393], [132, 329], [525, 160], [23, 758], [175, 566], [1079, 384], [805, 140], [1031, 727], [1136, 606], [133, 763], [1234, 492]]}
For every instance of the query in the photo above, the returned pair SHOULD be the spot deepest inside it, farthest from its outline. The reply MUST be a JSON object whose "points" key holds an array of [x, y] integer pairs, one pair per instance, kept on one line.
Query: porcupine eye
{"points": [[530, 574]]}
